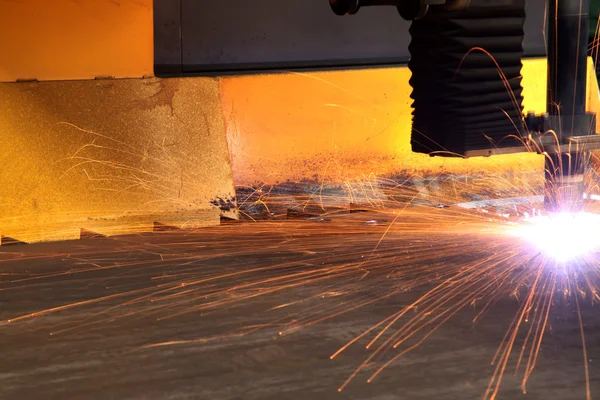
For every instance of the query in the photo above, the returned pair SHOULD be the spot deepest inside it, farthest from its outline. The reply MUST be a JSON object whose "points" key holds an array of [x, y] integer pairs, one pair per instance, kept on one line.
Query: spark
{"points": [[445, 238], [469, 253], [562, 236]]}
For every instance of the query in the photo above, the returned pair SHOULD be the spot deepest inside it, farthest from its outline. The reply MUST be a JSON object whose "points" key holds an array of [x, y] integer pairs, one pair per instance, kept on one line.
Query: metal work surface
{"points": [[115, 306]]}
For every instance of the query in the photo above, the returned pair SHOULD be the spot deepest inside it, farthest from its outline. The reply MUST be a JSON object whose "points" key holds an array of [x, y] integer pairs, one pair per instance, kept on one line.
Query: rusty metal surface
{"points": [[87, 360], [111, 154]]}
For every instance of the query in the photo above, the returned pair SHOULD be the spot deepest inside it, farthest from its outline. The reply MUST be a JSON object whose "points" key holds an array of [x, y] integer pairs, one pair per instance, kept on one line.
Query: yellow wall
{"points": [[75, 39], [334, 126]]}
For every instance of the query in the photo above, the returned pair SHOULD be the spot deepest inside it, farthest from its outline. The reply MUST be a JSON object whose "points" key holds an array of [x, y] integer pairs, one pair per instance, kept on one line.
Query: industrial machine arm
{"points": [[467, 94]]}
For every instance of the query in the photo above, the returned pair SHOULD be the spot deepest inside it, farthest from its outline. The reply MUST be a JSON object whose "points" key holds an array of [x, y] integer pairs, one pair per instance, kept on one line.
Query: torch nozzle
{"points": [[564, 185]]}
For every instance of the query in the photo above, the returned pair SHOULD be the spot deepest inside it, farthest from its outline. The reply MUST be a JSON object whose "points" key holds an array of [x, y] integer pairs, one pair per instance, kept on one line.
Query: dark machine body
{"points": [[467, 94]]}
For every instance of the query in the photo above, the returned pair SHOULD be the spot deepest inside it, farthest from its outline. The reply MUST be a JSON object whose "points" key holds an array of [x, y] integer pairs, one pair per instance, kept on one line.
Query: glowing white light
{"points": [[562, 236]]}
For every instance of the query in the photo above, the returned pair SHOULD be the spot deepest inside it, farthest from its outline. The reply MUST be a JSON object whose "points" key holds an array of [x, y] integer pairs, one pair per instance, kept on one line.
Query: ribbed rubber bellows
{"points": [[466, 77]]}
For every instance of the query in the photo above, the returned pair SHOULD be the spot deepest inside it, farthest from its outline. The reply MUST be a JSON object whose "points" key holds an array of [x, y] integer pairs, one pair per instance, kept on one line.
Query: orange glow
{"points": [[65, 39], [334, 126]]}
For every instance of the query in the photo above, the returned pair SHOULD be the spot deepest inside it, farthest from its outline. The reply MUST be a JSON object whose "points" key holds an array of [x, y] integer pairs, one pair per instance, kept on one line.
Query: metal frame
{"points": [[170, 44]]}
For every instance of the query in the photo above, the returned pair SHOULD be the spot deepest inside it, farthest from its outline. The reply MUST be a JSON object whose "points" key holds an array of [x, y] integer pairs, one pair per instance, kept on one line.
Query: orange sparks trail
{"points": [[335, 263], [454, 242]]}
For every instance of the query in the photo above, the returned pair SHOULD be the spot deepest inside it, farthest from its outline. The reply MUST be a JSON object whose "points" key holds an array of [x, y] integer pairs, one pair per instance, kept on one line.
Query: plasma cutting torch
{"points": [[467, 94]]}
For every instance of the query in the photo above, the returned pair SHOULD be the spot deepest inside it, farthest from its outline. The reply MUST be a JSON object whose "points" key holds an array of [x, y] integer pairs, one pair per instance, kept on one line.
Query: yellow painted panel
{"points": [[67, 39], [593, 99], [335, 126], [111, 156]]}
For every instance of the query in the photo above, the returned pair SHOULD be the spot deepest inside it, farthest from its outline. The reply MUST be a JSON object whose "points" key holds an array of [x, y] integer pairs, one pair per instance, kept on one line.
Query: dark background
{"points": [[204, 36]]}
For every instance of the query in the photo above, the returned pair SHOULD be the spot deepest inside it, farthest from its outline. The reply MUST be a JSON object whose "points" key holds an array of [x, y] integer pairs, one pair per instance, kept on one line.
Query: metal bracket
{"points": [[546, 134]]}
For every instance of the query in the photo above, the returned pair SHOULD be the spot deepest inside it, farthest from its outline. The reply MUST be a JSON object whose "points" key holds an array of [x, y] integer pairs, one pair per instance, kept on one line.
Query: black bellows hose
{"points": [[466, 77]]}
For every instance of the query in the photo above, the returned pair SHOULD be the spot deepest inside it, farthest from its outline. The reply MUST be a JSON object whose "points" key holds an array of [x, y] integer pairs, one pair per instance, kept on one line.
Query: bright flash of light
{"points": [[562, 236]]}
